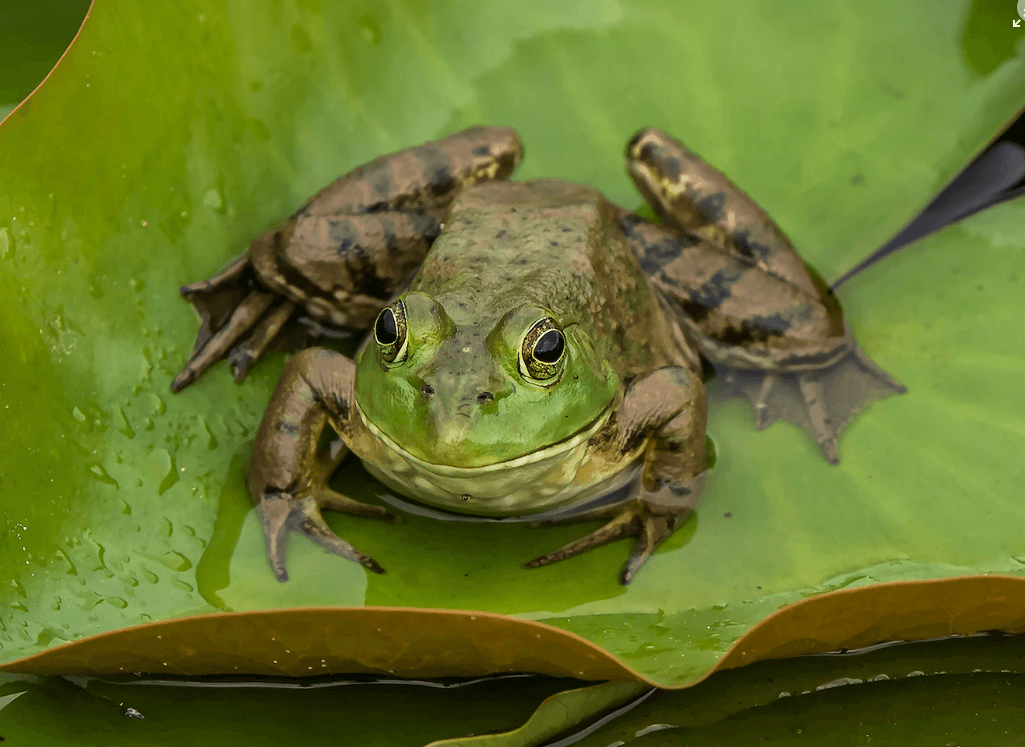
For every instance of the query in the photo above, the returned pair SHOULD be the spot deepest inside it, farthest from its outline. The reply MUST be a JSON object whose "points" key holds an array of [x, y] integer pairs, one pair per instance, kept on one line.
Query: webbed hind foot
{"points": [[822, 401]]}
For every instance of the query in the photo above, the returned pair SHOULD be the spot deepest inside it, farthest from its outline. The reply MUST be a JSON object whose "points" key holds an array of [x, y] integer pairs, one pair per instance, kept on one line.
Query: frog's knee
{"points": [[657, 151], [675, 378]]}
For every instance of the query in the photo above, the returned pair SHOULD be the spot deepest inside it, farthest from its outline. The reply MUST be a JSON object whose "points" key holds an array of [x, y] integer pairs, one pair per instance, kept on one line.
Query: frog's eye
{"points": [[542, 352], [390, 333]]}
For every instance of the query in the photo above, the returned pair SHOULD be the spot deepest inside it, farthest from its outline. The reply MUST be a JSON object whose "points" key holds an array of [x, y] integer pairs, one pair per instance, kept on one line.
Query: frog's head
{"points": [[473, 394]]}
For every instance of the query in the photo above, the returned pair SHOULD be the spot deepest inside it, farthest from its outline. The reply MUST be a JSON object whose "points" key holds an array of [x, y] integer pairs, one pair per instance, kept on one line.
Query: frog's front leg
{"points": [[661, 418], [751, 304], [287, 474], [343, 255]]}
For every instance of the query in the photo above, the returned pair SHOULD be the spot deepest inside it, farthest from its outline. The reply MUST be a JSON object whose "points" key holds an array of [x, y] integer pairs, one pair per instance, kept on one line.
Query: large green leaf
{"points": [[968, 690], [173, 133], [33, 35], [55, 712]]}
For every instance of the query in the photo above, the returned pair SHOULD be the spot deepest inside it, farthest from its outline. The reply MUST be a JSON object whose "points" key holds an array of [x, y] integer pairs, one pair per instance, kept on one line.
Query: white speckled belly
{"points": [[544, 479]]}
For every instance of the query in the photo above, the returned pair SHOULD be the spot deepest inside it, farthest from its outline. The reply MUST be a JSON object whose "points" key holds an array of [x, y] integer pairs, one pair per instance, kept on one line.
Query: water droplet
{"points": [[159, 408], [125, 429], [179, 584], [169, 479], [175, 561], [653, 728], [370, 27], [100, 474], [72, 570], [137, 284], [18, 588], [213, 199], [840, 682], [78, 414], [116, 602], [211, 441], [5, 243]]}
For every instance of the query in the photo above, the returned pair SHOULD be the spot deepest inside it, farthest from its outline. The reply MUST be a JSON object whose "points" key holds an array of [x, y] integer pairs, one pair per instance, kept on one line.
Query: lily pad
{"points": [[171, 134], [34, 34], [116, 712]]}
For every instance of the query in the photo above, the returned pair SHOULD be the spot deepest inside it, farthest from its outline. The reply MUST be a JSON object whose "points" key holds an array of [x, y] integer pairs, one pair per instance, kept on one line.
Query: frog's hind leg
{"points": [[340, 257], [771, 327]]}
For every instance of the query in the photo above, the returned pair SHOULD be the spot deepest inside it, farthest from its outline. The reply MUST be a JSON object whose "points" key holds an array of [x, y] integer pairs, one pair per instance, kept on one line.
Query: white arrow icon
{"points": [[1017, 23]]}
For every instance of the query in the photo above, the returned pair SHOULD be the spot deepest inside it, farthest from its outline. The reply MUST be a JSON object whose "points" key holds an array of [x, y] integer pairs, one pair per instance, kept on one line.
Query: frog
{"points": [[530, 348]]}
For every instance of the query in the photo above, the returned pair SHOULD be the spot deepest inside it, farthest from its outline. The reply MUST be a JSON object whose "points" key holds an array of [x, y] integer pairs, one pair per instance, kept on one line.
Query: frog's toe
{"points": [[312, 524], [239, 319], [635, 519], [622, 525], [764, 415], [654, 530], [248, 350], [205, 354], [275, 511], [327, 498], [280, 512]]}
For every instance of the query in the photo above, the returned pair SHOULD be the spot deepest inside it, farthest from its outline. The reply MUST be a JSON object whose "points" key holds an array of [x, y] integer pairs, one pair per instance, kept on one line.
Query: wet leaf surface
{"points": [[966, 690], [170, 136], [955, 691], [45, 711]]}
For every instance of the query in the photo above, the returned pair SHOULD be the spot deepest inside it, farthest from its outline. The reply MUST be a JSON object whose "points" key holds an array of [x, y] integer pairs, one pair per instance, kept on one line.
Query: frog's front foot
{"points": [[651, 524], [822, 401], [281, 512], [239, 318]]}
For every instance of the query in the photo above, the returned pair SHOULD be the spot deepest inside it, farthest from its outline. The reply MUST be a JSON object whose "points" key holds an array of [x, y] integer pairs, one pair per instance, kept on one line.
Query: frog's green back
{"points": [[550, 244]]}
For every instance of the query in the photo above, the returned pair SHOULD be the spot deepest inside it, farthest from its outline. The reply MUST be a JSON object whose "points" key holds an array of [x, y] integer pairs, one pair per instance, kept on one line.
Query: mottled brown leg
{"points": [[751, 304], [696, 198], [346, 251], [662, 416], [287, 475]]}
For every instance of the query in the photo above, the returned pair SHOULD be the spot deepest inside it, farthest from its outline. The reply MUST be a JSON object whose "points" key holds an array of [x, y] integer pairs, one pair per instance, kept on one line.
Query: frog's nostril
{"points": [[427, 389], [484, 397]]}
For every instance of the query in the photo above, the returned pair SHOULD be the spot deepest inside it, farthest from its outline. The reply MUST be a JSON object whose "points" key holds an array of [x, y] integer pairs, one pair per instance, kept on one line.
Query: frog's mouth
{"points": [[550, 452]]}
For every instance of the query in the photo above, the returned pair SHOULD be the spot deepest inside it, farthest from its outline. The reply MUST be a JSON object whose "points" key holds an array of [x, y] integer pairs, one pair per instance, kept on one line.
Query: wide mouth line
{"points": [[550, 450]]}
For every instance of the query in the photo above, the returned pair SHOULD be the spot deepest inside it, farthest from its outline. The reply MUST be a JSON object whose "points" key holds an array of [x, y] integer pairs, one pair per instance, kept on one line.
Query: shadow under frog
{"points": [[532, 348]]}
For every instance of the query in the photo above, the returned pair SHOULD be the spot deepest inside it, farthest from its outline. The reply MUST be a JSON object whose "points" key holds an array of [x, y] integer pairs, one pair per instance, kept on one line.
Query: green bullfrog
{"points": [[532, 346]]}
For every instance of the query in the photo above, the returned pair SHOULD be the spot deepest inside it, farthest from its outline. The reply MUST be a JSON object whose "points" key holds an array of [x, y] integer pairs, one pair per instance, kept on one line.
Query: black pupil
{"points": [[385, 330], [549, 347]]}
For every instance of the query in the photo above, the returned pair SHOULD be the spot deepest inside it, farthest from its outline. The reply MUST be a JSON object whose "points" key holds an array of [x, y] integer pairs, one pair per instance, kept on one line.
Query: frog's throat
{"points": [[538, 455]]}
